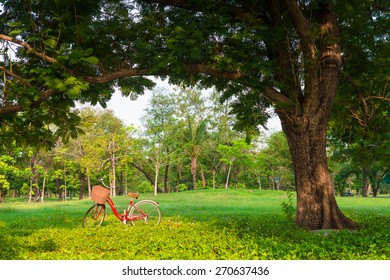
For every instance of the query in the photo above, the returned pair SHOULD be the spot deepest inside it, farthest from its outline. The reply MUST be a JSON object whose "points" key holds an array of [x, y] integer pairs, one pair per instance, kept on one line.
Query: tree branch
{"points": [[7, 109], [276, 97], [378, 98], [302, 25], [14, 108], [28, 48], [270, 93], [359, 94], [12, 74]]}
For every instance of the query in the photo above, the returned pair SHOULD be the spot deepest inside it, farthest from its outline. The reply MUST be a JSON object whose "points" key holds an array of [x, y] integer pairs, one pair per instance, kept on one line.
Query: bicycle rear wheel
{"points": [[145, 212], [94, 216]]}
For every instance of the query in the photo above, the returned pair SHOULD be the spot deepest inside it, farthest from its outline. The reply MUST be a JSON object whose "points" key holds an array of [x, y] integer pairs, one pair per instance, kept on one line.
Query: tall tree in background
{"points": [[161, 127], [235, 152], [195, 135], [192, 110], [283, 53]]}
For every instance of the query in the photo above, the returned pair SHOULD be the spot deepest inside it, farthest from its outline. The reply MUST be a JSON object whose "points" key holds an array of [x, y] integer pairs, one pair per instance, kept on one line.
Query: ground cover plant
{"points": [[204, 224]]}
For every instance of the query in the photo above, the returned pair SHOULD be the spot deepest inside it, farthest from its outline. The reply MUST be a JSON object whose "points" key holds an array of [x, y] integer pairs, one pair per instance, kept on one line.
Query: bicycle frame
{"points": [[125, 216]]}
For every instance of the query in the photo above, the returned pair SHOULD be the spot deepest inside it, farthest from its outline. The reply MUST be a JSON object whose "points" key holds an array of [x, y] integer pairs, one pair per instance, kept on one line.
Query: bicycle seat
{"points": [[134, 195]]}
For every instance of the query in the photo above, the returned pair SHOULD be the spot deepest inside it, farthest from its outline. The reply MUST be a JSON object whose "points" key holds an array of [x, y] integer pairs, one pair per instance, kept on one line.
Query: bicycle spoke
{"points": [[145, 213], [94, 216]]}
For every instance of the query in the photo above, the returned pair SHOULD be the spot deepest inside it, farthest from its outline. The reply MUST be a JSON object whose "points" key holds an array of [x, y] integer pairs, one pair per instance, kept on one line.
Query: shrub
{"points": [[181, 188], [145, 187], [240, 186]]}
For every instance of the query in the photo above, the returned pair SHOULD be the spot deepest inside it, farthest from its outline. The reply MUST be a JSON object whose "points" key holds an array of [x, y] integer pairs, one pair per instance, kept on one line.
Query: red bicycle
{"points": [[146, 212]]}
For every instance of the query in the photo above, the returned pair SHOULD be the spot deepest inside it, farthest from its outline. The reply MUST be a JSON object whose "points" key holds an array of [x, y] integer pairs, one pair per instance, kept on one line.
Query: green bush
{"points": [[145, 187], [207, 225], [181, 188], [240, 186]]}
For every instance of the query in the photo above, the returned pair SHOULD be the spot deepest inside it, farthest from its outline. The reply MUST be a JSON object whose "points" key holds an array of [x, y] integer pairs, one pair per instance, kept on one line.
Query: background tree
{"points": [[195, 135], [7, 171], [278, 160], [88, 148], [161, 126], [192, 112], [235, 153]]}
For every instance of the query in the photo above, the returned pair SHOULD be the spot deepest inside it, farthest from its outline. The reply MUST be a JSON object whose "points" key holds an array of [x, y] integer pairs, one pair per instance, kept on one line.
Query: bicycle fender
{"points": [[151, 201]]}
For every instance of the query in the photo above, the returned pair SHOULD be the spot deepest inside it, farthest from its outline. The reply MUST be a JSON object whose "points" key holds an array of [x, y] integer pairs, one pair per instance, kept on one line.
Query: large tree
{"points": [[282, 53]]}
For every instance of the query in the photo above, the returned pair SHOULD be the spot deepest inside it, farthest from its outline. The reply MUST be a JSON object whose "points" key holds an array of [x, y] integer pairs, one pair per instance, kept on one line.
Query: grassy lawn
{"points": [[204, 224]]}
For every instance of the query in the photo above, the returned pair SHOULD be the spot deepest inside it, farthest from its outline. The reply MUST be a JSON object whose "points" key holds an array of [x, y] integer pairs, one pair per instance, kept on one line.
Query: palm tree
{"points": [[196, 135]]}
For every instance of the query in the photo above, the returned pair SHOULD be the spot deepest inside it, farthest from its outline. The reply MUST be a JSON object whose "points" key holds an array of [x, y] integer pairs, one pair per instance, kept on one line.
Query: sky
{"points": [[132, 111]]}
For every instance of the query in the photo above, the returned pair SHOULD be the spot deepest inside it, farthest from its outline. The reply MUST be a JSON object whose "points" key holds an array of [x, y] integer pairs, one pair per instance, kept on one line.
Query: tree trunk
{"points": [[204, 182], [156, 179], [375, 184], [228, 177], [316, 202], [58, 187], [34, 187], [148, 176], [364, 182], [194, 161], [259, 181], [166, 179], [113, 184], [82, 186], [89, 183], [179, 171], [305, 113], [43, 189], [214, 172], [375, 191], [2, 195]]}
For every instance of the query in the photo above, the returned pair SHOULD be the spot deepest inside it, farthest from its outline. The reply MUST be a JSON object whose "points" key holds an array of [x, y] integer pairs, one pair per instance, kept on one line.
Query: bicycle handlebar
{"points": [[108, 187]]}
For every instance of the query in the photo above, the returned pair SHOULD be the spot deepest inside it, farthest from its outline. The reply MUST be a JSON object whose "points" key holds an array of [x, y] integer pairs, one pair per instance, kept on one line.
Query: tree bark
{"points": [[194, 161], [166, 179], [364, 181], [58, 187], [89, 182], [156, 178], [43, 189], [2, 195], [316, 203], [228, 177]]}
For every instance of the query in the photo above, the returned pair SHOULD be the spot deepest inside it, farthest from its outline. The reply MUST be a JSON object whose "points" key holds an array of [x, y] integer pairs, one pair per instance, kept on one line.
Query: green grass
{"points": [[206, 224]]}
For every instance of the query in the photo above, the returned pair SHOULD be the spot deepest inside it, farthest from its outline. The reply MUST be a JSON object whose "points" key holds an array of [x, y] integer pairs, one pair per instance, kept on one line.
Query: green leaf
{"points": [[15, 33], [91, 59], [51, 42]]}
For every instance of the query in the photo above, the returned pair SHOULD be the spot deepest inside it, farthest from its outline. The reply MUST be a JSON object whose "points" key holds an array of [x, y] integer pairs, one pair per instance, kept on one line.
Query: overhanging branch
{"points": [[27, 47], [10, 73], [272, 94], [302, 25], [15, 108]]}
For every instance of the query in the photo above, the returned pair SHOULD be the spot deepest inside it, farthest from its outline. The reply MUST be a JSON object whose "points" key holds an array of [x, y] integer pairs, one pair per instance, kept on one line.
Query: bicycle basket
{"points": [[99, 194]]}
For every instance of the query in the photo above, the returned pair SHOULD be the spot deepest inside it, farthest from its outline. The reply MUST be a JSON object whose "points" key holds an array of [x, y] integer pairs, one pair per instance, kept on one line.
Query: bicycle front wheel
{"points": [[145, 212], [94, 216]]}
